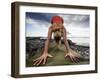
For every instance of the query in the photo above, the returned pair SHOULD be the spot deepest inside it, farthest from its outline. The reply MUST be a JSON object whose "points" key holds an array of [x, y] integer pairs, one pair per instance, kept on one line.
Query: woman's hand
{"points": [[73, 56], [41, 59]]}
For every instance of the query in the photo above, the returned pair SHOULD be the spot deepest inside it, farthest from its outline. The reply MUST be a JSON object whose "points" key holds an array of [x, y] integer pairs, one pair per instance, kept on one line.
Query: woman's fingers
{"points": [[50, 55], [41, 59], [36, 59], [36, 62], [77, 55], [76, 60], [67, 55], [73, 58], [39, 62], [44, 61]]}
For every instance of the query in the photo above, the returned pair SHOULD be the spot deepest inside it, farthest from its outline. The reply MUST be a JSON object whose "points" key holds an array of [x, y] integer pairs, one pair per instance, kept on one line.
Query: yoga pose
{"points": [[59, 32]]}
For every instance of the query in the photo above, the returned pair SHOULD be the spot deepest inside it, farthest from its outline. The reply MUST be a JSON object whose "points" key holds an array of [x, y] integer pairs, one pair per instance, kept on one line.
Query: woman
{"points": [[59, 31]]}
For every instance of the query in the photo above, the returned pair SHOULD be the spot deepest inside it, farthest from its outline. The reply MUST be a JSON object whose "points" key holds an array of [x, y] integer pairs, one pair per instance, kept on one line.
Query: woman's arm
{"points": [[65, 40], [72, 55], [48, 40], [43, 57]]}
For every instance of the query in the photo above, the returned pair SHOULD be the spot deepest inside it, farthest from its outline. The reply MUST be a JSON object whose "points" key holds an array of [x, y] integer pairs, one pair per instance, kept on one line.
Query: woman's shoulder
{"points": [[50, 28]]}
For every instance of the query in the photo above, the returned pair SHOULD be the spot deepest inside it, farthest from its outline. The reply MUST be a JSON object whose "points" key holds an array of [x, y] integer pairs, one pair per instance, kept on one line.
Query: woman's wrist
{"points": [[45, 52], [67, 50]]}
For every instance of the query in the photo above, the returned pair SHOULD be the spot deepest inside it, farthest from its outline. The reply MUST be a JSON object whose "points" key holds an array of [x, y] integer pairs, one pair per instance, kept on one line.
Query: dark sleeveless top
{"points": [[58, 33]]}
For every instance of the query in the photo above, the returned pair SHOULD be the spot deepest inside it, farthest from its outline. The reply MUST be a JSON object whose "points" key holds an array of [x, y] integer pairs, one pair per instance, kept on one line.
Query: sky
{"points": [[37, 24]]}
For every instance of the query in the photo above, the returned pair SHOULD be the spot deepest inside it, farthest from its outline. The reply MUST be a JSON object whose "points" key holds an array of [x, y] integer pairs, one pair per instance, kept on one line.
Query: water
{"points": [[84, 41]]}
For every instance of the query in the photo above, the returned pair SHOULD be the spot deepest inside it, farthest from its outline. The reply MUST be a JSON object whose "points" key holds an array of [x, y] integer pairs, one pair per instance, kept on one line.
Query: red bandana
{"points": [[56, 19]]}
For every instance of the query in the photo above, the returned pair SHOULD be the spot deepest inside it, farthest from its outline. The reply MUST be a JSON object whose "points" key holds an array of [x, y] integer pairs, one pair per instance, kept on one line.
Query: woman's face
{"points": [[57, 24]]}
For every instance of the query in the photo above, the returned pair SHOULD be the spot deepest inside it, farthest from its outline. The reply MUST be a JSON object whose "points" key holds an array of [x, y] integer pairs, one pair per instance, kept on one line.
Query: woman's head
{"points": [[57, 21]]}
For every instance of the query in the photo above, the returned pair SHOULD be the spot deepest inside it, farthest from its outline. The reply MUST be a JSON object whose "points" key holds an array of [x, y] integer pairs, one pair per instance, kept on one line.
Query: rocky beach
{"points": [[35, 45]]}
